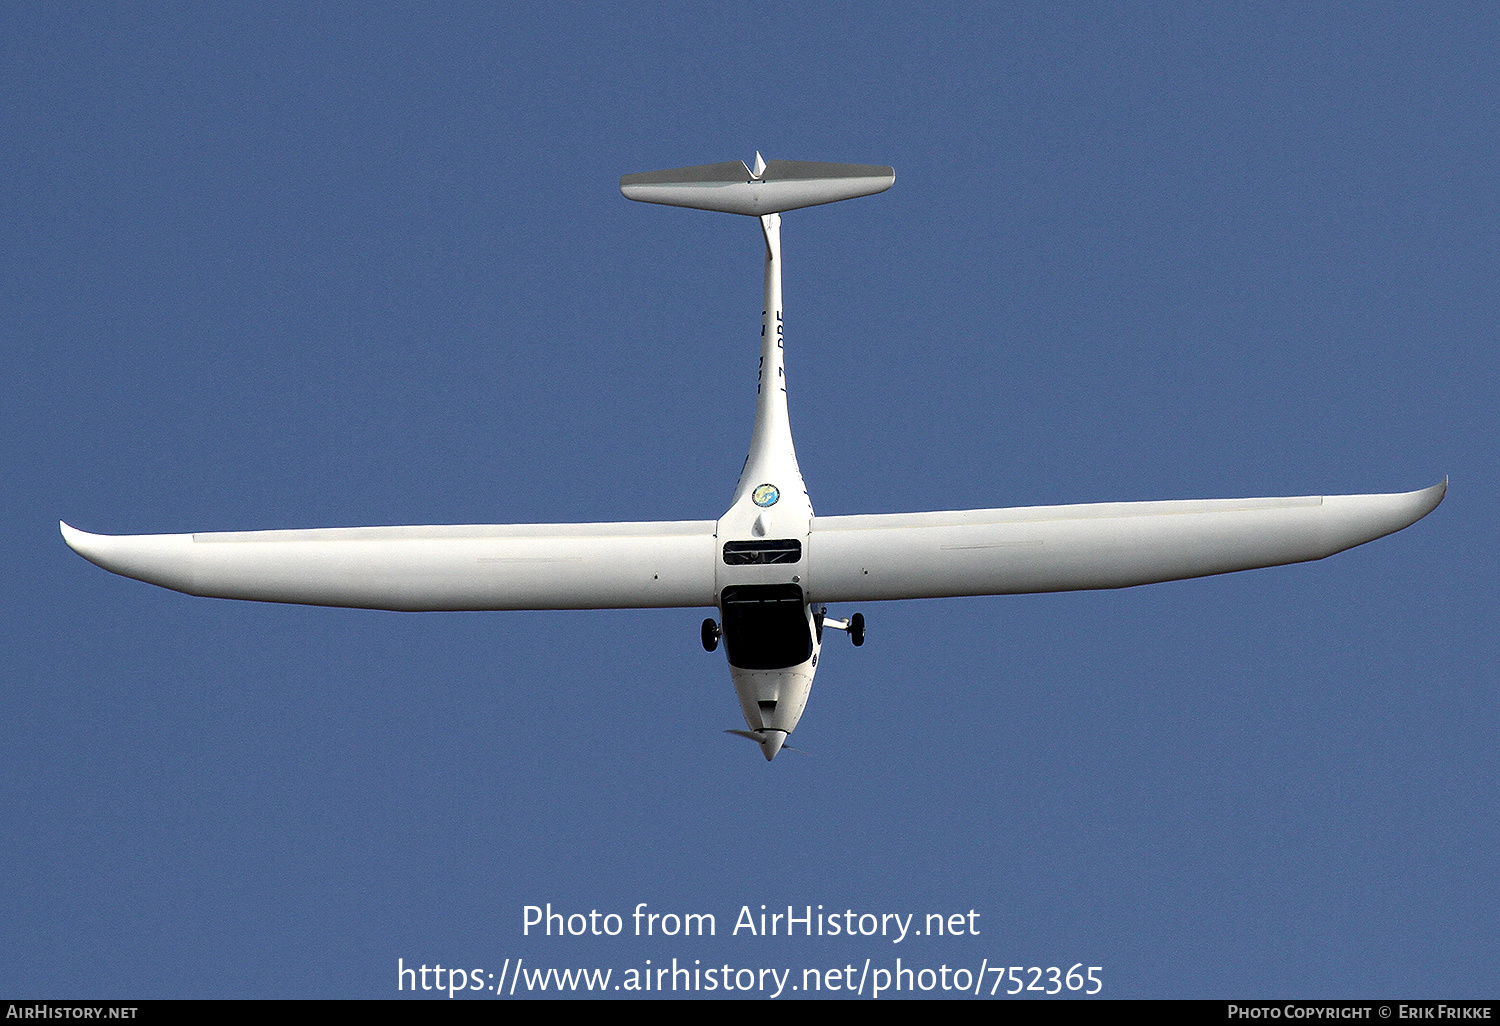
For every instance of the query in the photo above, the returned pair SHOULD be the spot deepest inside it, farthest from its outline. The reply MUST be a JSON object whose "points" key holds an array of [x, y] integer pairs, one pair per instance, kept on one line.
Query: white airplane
{"points": [[768, 564]]}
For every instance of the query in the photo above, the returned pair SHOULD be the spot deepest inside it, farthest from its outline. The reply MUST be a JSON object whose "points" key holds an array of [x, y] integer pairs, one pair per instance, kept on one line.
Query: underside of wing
{"points": [[1101, 545], [516, 566]]}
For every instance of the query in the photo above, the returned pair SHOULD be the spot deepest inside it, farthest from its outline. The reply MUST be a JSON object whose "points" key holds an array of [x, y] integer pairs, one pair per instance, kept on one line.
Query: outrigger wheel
{"points": [[711, 634], [857, 629]]}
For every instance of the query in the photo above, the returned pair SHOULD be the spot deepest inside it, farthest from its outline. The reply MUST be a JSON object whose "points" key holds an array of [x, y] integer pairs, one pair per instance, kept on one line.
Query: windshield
{"points": [[765, 626]]}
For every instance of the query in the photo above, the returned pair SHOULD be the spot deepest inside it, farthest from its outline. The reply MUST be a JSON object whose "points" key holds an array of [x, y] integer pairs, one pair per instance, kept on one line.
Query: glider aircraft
{"points": [[769, 565]]}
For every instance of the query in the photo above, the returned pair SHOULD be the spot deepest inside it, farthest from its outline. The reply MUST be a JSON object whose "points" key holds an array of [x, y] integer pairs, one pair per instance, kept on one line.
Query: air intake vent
{"points": [[762, 551]]}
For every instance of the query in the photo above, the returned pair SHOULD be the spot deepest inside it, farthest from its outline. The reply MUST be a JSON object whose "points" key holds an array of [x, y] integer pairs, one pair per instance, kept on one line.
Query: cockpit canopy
{"points": [[765, 626]]}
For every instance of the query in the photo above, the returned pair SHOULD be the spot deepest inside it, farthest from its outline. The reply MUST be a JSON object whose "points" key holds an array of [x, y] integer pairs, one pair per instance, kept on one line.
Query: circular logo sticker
{"points": [[765, 495]]}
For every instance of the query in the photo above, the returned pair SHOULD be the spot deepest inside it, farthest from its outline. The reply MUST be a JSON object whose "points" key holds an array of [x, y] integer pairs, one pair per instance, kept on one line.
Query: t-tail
{"points": [[773, 187], [764, 192]]}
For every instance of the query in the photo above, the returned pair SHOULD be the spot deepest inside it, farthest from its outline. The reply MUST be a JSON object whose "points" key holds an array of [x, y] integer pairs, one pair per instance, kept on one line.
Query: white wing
{"points": [[1103, 545], [853, 558], [517, 566]]}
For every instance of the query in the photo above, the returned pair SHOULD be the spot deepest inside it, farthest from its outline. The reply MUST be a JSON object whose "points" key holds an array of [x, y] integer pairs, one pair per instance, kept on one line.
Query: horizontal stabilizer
{"points": [[732, 188]]}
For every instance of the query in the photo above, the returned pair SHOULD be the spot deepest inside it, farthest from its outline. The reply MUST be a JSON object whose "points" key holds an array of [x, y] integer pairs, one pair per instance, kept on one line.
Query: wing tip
{"points": [[92, 547], [72, 535], [1428, 499]]}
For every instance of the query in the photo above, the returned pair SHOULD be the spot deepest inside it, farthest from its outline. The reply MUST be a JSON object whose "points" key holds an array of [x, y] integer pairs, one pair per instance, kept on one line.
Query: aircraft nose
{"points": [[771, 741]]}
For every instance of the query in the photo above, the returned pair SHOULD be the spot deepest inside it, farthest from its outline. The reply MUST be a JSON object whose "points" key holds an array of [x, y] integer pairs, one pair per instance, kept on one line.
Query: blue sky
{"points": [[291, 266]]}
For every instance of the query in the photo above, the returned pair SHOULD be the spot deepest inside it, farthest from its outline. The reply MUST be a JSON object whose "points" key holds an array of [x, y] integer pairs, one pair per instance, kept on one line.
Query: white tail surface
{"points": [[732, 188]]}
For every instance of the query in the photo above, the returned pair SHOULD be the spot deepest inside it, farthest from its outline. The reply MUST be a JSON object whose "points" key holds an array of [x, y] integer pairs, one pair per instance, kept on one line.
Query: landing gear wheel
{"points": [[711, 634], [857, 629]]}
